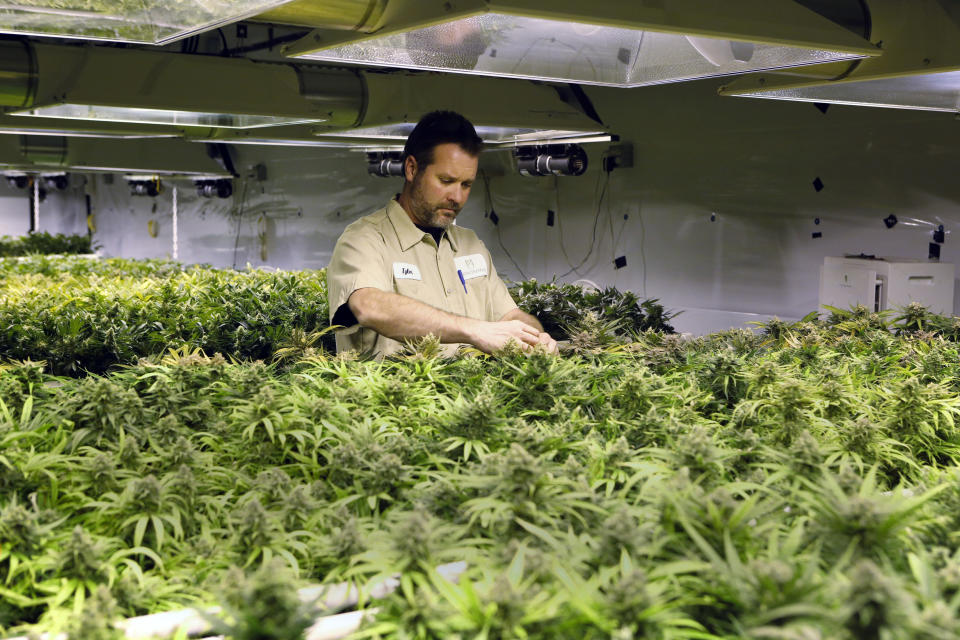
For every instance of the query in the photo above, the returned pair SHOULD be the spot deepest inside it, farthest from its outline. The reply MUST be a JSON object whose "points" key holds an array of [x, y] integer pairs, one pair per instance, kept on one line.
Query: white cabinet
{"points": [[886, 283]]}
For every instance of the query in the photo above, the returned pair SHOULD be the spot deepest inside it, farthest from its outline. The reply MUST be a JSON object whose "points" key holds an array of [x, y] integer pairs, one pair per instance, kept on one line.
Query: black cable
{"points": [[563, 248], [643, 255], [236, 241], [223, 38], [490, 209], [267, 44], [613, 238], [596, 220]]}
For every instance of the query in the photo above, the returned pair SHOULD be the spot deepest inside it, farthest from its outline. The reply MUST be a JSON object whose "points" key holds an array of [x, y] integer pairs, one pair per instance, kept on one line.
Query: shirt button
{"points": [[449, 291]]}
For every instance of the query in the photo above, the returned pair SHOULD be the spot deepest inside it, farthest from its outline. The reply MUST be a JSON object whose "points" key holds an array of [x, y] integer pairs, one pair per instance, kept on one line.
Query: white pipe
{"points": [[338, 626], [36, 204], [336, 596], [175, 243]]}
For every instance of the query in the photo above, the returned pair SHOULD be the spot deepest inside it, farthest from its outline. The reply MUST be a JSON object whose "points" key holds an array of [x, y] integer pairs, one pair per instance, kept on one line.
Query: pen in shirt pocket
{"points": [[462, 281]]}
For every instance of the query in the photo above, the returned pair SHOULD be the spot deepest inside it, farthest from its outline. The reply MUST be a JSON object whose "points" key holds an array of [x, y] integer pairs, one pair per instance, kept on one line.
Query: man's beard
{"points": [[427, 214]]}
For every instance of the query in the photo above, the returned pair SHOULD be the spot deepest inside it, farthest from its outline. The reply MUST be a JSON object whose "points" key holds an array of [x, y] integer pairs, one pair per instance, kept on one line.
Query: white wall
{"points": [[60, 211], [749, 162], [14, 211]]}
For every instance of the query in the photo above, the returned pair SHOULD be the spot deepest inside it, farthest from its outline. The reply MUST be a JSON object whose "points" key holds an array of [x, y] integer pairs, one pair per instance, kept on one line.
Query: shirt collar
{"points": [[407, 232]]}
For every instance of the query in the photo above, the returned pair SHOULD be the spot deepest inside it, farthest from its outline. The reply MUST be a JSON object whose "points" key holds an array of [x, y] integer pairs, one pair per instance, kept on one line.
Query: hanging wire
{"points": [[489, 210], [563, 247], [596, 220], [236, 241], [643, 255]]}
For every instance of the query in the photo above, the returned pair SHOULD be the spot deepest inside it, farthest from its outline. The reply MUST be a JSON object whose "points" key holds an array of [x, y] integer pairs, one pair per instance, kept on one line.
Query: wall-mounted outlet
{"points": [[257, 172], [619, 156]]}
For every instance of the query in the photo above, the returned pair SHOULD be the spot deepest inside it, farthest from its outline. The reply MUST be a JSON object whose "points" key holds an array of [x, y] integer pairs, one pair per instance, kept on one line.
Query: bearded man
{"points": [[407, 271]]}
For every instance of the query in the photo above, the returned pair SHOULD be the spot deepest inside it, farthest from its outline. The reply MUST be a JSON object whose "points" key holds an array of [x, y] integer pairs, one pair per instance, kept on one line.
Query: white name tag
{"points": [[472, 266], [404, 271]]}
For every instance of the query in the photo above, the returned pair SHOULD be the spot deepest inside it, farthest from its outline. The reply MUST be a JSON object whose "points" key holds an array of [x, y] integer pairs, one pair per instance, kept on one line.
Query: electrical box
{"points": [[886, 283]]}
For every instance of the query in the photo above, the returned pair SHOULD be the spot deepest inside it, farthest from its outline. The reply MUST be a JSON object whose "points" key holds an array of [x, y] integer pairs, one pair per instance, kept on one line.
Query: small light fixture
{"points": [[385, 164], [551, 160], [18, 179], [217, 187], [141, 185], [59, 180]]}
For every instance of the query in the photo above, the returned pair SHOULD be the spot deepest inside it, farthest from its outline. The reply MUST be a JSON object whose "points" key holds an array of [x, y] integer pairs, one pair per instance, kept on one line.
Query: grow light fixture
{"points": [[616, 43], [927, 92], [278, 142], [919, 70], [67, 133], [395, 135], [159, 116], [138, 21]]}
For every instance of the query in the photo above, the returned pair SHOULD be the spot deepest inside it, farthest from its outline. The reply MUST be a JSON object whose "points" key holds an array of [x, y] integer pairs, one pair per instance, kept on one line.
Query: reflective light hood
{"points": [[137, 21], [624, 43], [919, 69], [212, 97], [166, 157]]}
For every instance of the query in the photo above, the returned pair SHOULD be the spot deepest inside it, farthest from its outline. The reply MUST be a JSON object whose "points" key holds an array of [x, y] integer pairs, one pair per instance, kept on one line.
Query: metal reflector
{"points": [[493, 137], [161, 116], [166, 157], [920, 67], [140, 21], [927, 92], [625, 43]]}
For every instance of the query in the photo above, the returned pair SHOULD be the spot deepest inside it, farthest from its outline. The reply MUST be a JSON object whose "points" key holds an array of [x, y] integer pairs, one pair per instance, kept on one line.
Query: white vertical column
{"points": [[36, 203], [175, 247]]}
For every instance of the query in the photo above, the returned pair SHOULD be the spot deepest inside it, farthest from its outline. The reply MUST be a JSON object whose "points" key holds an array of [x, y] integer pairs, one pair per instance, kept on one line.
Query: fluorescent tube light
{"points": [[160, 116]]}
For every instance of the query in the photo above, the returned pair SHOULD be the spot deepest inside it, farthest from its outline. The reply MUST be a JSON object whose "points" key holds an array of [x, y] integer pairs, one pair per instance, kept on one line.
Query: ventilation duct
{"points": [[138, 21], [163, 157], [347, 15], [210, 97], [919, 69], [155, 87], [624, 43]]}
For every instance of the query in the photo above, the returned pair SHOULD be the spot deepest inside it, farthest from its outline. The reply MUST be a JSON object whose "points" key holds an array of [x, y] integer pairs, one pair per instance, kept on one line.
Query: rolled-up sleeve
{"points": [[357, 263]]}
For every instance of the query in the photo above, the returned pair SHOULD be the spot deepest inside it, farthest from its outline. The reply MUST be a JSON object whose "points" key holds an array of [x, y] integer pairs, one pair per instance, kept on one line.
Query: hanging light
{"points": [[920, 67], [623, 44]]}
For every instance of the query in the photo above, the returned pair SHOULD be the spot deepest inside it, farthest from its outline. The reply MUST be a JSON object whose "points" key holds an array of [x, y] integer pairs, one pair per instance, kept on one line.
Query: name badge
{"points": [[472, 266], [404, 271]]}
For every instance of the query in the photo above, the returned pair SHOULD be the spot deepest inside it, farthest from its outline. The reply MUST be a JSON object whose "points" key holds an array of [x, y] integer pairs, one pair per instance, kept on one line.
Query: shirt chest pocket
{"points": [[407, 279], [411, 288]]}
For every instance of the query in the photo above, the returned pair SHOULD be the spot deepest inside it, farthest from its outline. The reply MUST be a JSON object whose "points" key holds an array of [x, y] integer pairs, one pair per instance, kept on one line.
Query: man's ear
{"points": [[410, 168]]}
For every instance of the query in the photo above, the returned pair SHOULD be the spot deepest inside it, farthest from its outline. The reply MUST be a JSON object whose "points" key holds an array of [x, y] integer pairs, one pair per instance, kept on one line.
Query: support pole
{"points": [[35, 213], [175, 240]]}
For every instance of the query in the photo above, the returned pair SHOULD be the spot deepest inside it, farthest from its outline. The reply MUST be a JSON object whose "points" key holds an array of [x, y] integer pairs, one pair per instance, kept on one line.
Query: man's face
{"points": [[439, 190]]}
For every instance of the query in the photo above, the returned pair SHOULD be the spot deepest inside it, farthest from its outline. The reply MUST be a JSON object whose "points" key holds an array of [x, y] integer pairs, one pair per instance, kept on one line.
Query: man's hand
{"points": [[543, 338], [491, 336], [548, 342], [400, 317]]}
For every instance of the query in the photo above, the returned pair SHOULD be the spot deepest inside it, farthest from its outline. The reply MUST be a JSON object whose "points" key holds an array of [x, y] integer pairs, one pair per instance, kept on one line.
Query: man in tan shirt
{"points": [[407, 271]]}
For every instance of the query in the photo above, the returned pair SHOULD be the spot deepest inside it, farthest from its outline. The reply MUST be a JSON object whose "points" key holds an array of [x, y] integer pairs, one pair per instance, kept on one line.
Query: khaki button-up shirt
{"points": [[386, 251]]}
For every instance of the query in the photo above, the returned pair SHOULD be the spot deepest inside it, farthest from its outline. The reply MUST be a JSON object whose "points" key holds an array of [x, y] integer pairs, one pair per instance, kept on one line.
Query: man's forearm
{"points": [[400, 318], [522, 316]]}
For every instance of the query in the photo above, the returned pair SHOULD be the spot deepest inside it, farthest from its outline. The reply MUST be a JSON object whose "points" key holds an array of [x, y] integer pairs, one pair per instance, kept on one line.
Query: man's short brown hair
{"points": [[441, 127]]}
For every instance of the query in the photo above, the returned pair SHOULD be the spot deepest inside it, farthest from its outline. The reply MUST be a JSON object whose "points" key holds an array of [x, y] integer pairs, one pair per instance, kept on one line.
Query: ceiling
{"points": [[175, 77]]}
